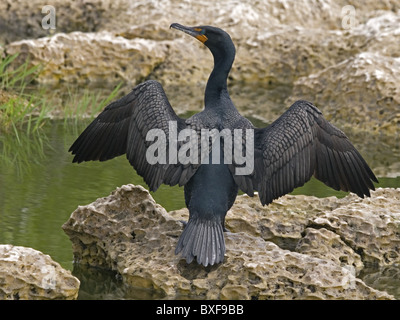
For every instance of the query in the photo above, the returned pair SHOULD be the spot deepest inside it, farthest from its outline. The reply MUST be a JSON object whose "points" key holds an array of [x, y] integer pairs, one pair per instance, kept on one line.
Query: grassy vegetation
{"points": [[24, 107], [18, 109], [16, 78], [87, 104]]}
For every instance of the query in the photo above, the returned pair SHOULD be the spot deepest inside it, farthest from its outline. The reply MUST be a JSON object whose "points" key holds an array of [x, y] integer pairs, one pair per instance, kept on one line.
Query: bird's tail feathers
{"points": [[203, 240]]}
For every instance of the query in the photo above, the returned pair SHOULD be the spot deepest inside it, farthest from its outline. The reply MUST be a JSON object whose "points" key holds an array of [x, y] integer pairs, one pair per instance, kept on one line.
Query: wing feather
{"points": [[301, 143], [121, 128]]}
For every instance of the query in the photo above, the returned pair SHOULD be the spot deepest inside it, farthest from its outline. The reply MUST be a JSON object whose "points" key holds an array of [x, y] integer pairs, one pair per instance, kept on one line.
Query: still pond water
{"points": [[40, 188]]}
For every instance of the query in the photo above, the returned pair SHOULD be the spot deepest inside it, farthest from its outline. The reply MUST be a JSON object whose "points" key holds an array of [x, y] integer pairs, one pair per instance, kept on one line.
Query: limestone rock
{"points": [[28, 274], [116, 15], [370, 226], [326, 244], [82, 15], [359, 89], [365, 93], [80, 57], [277, 41], [132, 235]]}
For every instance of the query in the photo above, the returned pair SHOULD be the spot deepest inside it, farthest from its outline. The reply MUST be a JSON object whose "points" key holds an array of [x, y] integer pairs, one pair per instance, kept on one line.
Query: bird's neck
{"points": [[217, 82]]}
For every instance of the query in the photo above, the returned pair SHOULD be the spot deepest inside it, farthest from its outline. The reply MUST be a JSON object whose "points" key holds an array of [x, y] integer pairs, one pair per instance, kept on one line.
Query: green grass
{"points": [[18, 109], [24, 107], [86, 104], [19, 77]]}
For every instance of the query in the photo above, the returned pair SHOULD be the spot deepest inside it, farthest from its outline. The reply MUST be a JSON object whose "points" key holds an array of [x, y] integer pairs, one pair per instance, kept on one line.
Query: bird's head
{"points": [[217, 40]]}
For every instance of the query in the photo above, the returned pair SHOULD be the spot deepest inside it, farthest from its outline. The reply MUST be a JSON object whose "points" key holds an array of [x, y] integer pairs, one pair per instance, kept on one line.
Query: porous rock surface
{"points": [[366, 227], [296, 248], [344, 101], [28, 274], [80, 57]]}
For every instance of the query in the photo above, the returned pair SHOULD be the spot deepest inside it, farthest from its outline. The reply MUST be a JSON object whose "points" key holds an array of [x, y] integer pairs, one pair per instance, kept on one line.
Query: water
{"points": [[40, 188]]}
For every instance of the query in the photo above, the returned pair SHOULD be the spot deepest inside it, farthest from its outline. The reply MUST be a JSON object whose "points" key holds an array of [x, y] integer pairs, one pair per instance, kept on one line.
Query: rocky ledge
{"points": [[299, 247], [28, 274]]}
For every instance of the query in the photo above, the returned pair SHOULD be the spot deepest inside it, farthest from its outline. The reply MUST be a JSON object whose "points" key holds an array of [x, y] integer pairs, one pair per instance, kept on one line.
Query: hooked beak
{"points": [[196, 32]]}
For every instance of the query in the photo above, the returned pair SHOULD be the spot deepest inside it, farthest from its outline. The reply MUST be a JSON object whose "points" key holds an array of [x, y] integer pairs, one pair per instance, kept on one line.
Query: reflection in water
{"points": [[98, 284], [384, 278], [40, 188]]}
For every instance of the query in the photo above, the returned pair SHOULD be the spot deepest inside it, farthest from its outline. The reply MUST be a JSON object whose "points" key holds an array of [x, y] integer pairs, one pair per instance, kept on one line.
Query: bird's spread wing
{"points": [[299, 144], [122, 127]]}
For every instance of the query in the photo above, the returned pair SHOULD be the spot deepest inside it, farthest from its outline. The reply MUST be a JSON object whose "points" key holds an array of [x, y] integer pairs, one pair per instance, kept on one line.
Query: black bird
{"points": [[299, 144]]}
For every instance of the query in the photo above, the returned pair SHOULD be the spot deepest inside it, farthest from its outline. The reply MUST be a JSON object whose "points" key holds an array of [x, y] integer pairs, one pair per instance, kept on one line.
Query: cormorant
{"points": [[299, 144]]}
